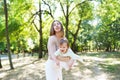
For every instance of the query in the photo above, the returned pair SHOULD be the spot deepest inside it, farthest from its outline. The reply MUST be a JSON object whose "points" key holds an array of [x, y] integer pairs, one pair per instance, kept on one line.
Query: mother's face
{"points": [[57, 26]]}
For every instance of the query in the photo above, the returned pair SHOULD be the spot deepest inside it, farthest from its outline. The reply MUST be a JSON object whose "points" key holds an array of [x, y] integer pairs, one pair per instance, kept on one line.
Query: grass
{"points": [[115, 68], [105, 62], [110, 63], [106, 54]]}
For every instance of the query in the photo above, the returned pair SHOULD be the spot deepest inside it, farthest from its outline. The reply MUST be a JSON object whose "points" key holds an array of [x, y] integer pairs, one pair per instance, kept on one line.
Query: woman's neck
{"points": [[58, 35]]}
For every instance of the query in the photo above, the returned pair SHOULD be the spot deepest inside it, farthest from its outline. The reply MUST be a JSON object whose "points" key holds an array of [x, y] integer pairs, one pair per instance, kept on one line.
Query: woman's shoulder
{"points": [[64, 38], [52, 37]]}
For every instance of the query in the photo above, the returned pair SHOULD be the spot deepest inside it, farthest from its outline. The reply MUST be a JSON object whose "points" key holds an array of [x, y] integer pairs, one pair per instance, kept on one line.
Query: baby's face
{"points": [[63, 48]]}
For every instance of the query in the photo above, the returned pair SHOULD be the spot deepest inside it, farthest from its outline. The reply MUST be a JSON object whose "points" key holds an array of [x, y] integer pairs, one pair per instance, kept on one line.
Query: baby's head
{"points": [[64, 45]]}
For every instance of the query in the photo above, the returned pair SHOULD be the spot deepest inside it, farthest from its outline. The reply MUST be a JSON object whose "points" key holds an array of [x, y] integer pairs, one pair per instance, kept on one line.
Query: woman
{"points": [[51, 69]]}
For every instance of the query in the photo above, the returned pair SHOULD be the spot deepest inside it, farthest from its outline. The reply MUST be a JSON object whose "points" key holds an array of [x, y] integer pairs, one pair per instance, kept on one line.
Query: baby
{"points": [[65, 51]]}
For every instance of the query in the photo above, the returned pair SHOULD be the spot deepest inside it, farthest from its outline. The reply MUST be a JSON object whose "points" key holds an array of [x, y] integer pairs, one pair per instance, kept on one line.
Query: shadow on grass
{"points": [[104, 54], [19, 66], [113, 69], [30, 71]]}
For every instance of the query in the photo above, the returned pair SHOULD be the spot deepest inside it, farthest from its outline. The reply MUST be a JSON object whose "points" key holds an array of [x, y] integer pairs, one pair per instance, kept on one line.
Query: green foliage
{"points": [[2, 46], [109, 11], [85, 10], [102, 35], [13, 26], [109, 35], [1, 8]]}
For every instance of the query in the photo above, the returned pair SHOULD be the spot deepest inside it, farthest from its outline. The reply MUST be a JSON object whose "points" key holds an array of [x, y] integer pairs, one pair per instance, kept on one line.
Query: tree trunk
{"points": [[40, 31], [67, 19], [107, 48], [0, 60], [75, 36], [7, 34], [66, 16], [0, 63]]}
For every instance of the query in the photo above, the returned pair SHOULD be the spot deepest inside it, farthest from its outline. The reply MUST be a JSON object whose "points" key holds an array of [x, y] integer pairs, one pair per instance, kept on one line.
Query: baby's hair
{"points": [[64, 41]]}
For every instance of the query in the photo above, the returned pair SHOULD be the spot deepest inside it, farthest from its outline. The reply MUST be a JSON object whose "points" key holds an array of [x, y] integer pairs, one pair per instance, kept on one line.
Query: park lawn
{"points": [[109, 62], [104, 65]]}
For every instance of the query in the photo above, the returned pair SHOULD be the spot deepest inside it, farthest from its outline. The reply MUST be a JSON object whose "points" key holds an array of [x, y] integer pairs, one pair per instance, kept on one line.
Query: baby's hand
{"points": [[70, 63], [81, 61], [57, 63]]}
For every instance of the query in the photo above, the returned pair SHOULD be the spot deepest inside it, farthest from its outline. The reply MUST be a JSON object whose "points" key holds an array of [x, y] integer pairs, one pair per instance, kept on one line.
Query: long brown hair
{"points": [[52, 31]]}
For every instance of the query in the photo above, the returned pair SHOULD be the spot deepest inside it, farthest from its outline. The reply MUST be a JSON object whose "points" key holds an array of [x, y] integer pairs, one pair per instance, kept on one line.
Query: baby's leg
{"points": [[70, 63], [64, 65]]}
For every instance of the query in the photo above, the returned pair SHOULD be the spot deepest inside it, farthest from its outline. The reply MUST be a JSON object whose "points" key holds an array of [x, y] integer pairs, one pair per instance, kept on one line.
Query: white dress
{"points": [[52, 71]]}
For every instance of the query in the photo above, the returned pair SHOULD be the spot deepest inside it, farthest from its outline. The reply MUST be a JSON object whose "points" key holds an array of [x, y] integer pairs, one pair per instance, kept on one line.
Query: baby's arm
{"points": [[75, 56]]}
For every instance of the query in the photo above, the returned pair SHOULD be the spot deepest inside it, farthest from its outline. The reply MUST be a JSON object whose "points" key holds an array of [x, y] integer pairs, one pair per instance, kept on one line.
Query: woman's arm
{"points": [[63, 58], [51, 47]]}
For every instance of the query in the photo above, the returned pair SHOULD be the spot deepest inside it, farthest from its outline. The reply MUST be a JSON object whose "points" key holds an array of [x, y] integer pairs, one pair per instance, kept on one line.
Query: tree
{"points": [[109, 31], [39, 30], [7, 34]]}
